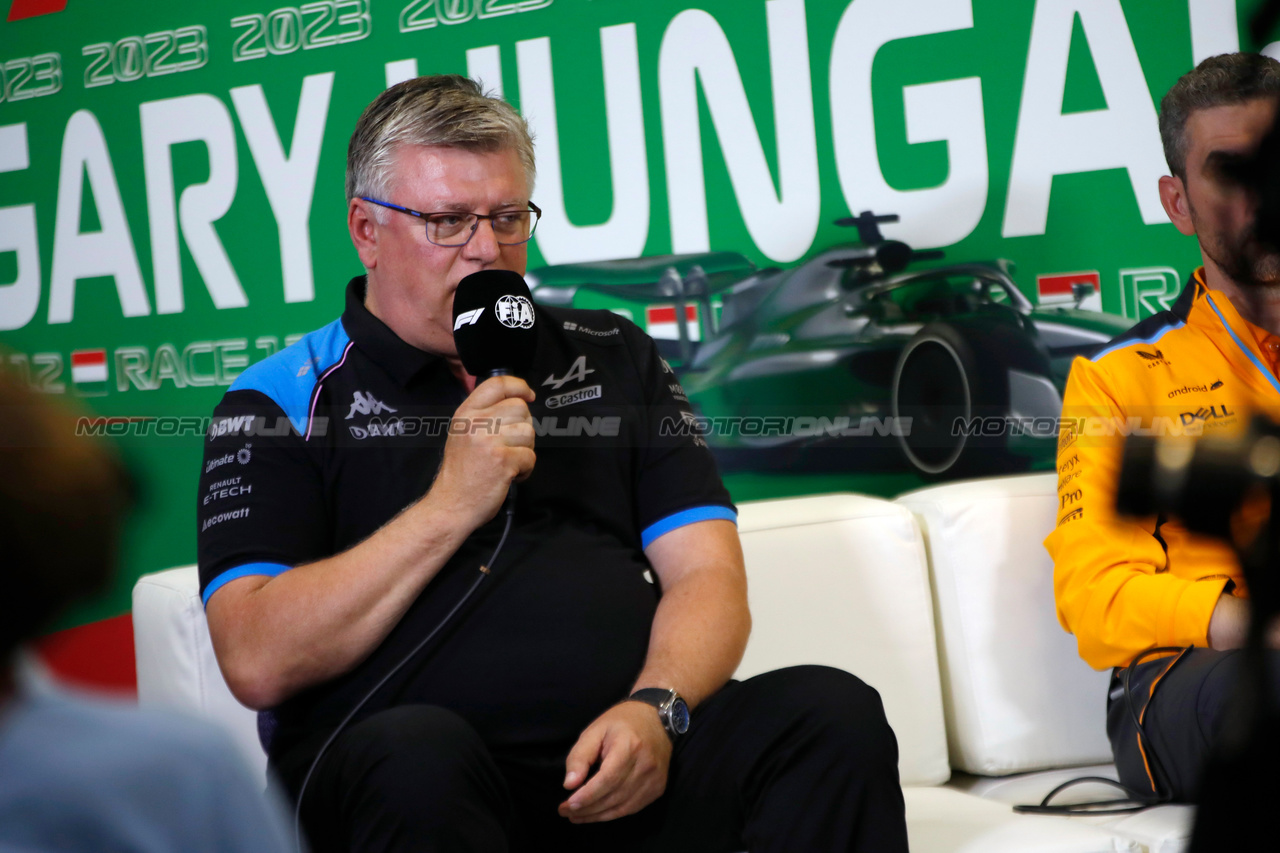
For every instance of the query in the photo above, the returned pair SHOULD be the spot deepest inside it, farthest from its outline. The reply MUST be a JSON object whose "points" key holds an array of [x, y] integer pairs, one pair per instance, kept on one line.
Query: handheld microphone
{"points": [[493, 324], [493, 330]]}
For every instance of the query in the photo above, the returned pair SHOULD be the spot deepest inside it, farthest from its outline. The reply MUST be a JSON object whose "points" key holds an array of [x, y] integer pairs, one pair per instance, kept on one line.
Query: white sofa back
{"points": [[1018, 696], [176, 666], [841, 580]]}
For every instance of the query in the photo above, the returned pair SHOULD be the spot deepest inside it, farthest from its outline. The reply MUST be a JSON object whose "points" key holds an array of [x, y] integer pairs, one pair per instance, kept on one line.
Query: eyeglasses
{"points": [[455, 229]]}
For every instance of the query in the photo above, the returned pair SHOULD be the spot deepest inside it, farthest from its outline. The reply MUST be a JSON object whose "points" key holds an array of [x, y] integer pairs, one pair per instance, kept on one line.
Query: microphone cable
{"points": [[485, 569], [1133, 801]]}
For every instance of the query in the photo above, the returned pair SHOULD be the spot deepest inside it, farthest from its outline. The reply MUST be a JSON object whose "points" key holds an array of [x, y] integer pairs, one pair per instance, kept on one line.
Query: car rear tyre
{"points": [[937, 383]]}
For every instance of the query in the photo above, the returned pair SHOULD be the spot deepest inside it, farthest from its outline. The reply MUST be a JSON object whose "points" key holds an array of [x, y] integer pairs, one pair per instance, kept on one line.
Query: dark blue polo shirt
{"points": [[317, 447]]}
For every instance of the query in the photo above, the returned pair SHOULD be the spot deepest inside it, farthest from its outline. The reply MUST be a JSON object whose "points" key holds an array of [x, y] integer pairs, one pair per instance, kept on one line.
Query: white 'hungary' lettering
{"points": [[169, 122], [1124, 135], [949, 111], [20, 299], [624, 233], [289, 180], [108, 252], [783, 221]]}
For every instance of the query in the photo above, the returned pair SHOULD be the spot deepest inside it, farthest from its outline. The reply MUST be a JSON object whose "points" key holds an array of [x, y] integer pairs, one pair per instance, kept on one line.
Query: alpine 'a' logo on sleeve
{"points": [[467, 318]]}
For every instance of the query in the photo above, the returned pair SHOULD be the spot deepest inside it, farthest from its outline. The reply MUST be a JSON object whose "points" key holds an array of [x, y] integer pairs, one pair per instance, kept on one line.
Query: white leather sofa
{"points": [[844, 580], [1018, 699]]}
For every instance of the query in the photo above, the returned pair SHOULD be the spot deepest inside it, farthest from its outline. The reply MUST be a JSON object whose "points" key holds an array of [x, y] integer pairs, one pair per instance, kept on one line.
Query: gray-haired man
{"points": [[362, 529]]}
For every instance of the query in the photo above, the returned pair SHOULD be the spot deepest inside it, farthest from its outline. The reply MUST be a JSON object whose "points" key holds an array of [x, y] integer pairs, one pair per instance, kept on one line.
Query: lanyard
{"points": [[1262, 368]]}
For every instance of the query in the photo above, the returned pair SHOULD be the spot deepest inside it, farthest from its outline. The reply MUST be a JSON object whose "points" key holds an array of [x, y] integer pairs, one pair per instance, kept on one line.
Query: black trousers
{"points": [[796, 759], [1183, 705]]}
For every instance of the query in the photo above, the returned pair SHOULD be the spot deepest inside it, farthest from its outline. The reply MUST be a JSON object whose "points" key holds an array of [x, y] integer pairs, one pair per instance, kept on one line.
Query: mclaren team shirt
{"points": [[1122, 585], [317, 447]]}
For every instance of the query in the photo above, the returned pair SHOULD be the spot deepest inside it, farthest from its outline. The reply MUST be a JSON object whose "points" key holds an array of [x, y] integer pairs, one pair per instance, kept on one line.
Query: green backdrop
{"points": [[171, 203]]}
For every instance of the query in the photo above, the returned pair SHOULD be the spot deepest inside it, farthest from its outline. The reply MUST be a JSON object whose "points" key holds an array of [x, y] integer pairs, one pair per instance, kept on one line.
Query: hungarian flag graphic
{"points": [[1061, 288], [660, 322], [89, 371]]}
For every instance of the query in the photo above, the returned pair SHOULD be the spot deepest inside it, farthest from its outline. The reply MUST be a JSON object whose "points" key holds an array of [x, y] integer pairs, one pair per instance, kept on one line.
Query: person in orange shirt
{"points": [[1127, 588]]}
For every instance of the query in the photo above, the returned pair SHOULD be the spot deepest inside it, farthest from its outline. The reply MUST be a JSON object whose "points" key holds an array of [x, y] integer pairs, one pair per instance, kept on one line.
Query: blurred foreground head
{"points": [[62, 498]]}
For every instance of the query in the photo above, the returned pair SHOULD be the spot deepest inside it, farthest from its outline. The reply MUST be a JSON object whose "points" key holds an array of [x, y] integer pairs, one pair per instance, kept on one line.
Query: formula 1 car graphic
{"points": [[855, 358]]}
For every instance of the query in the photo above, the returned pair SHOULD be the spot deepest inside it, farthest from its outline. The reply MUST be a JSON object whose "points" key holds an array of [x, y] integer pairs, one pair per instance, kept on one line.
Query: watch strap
{"points": [[664, 700], [655, 696]]}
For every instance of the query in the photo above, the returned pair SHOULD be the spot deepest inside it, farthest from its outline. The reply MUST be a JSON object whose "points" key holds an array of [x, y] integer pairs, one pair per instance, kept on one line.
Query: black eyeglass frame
{"points": [[533, 208]]}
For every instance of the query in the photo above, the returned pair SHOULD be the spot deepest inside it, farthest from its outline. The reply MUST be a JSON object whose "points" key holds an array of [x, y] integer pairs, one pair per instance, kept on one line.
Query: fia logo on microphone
{"points": [[514, 312], [467, 318]]}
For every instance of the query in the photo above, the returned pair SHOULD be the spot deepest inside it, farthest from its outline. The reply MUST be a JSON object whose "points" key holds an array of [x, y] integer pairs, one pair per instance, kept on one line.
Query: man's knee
{"points": [[839, 708], [405, 778], [414, 751]]}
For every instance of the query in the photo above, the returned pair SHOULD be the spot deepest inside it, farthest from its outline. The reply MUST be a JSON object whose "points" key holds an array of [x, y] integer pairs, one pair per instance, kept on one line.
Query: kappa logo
{"points": [[577, 372], [367, 404], [467, 318], [514, 312]]}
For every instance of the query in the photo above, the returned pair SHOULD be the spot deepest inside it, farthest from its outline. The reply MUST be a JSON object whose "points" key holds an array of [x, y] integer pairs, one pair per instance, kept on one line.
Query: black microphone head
{"points": [[494, 323]]}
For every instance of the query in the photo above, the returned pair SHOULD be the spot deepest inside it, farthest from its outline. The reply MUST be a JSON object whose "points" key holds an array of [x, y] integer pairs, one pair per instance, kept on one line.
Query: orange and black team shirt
{"points": [[1124, 585]]}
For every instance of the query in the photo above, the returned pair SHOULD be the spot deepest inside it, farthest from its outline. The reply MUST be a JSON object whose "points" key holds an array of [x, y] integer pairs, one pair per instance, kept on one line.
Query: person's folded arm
{"points": [[697, 640], [1112, 583]]}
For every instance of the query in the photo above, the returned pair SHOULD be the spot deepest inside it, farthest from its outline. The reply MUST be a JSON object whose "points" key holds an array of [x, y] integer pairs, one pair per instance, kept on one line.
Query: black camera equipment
{"points": [[1229, 489]]}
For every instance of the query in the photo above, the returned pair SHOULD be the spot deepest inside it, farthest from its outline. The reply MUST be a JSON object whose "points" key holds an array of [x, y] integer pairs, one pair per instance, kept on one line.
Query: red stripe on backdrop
{"points": [[98, 655], [88, 356], [1060, 285], [667, 313], [34, 8]]}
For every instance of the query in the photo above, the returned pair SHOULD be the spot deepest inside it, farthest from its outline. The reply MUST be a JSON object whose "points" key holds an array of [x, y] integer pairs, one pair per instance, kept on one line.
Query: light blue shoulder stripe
{"points": [[1244, 349], [271, 570], [683, 518], [1156, 336], [289, 377]]}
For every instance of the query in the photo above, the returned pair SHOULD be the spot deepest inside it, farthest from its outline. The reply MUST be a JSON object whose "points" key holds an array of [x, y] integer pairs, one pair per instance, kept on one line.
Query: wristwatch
{"points": [[672, 710]]}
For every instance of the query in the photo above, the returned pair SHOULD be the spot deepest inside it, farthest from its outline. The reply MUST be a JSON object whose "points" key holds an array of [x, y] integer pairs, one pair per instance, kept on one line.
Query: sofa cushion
{"points": [[944, 820], [1017, 695], [1164, 829], [176, 665], [841, 580]]}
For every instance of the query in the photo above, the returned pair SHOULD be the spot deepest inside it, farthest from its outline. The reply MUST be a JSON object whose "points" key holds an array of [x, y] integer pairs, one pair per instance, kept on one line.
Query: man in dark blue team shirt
{"points": [[353, 488]]}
